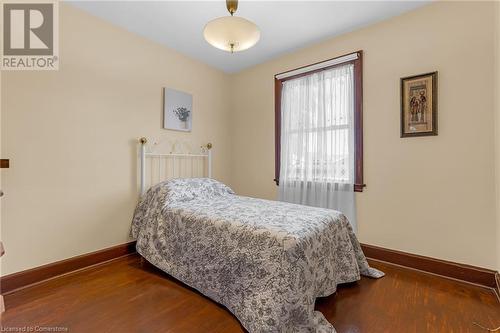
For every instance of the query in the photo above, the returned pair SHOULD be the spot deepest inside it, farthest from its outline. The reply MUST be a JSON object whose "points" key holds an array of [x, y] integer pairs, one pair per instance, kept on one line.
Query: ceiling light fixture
{"points": [[231, 33]]}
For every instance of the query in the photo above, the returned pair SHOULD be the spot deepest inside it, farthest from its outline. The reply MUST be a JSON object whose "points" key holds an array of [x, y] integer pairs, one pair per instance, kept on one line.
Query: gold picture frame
{"points": [[419, 105]]}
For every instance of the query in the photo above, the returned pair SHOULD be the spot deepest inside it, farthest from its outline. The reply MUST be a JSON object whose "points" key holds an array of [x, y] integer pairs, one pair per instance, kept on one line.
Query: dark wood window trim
{"points": [[358, 117]]}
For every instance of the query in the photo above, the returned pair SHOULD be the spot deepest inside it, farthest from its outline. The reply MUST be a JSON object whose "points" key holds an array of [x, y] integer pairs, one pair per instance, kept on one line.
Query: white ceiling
{"points": [[284, 25]]}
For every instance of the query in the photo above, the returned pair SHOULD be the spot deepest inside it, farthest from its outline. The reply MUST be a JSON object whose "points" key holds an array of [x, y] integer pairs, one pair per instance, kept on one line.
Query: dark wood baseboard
{"points": [[15, 281], [480, 276], [477, 275], [497, 278]]}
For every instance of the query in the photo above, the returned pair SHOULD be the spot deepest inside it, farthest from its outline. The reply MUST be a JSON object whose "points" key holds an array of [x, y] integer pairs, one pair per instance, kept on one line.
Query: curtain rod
{"points": [[319, 65]]}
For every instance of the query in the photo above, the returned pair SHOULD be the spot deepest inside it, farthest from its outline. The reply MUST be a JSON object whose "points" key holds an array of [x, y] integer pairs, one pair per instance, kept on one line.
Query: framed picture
{"points": [[419, 105], [177, 110]]}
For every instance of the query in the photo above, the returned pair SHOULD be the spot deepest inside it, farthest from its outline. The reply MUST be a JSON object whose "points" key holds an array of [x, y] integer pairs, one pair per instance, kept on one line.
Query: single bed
{"points": [[266, 261]]}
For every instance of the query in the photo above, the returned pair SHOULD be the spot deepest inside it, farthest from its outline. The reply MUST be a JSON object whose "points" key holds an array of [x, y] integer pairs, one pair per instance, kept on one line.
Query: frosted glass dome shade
{"points": [[231, 33]]}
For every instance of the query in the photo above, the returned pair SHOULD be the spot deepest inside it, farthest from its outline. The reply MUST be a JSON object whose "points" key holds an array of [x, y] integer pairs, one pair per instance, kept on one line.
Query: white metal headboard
{"points": [[206, 155]]}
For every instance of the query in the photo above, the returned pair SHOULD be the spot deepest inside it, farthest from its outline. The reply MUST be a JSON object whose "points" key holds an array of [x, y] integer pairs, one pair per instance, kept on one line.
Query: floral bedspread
{"points": [[266, 261]]}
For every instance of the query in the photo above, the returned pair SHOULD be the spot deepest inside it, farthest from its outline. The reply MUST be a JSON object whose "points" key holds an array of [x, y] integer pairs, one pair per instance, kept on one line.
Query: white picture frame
{"points": [[177, 106]]}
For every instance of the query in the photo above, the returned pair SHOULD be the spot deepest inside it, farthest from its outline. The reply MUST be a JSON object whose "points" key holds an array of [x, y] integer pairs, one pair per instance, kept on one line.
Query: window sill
{"points": [[357, 187]]}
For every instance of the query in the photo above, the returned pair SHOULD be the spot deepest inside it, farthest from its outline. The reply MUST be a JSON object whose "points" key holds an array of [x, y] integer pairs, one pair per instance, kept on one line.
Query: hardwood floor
{"points": [[127, 295]]}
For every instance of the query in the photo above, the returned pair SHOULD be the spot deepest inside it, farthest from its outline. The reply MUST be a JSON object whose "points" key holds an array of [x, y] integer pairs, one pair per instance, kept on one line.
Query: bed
{"points": [[266, 261]]}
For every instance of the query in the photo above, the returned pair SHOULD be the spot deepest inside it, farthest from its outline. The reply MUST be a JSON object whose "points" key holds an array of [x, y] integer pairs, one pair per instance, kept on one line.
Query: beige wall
{"points": [[70, 135], [432, 196]]}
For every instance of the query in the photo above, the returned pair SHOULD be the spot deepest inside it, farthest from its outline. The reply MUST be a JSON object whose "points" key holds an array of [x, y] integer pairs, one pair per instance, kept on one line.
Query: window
{"points": [[318, 122]]}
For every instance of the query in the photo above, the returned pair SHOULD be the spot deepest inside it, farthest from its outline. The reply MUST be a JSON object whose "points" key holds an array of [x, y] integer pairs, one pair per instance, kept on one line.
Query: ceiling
{"points": [[284, 25]]}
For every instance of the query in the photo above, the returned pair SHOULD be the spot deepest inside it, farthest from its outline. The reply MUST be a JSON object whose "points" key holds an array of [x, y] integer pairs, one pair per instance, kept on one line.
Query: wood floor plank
{"points": [[128, 295]]}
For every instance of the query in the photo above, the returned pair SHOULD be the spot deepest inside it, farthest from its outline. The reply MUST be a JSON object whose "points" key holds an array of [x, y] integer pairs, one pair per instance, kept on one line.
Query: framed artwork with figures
{"points": [[419, 105], [177, 110]]}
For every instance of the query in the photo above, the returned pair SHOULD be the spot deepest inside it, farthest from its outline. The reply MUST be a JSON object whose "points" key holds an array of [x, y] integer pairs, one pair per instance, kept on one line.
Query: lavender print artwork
{"points": [[177, 110]]}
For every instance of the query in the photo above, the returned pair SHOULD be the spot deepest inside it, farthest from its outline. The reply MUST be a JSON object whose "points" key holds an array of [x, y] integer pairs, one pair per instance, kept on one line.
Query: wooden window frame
{"points": [[358, 116]]}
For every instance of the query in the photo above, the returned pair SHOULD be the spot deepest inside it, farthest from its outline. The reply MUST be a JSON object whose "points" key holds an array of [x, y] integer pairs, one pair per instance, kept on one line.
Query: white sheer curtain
{"points": [[317, 140]]}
